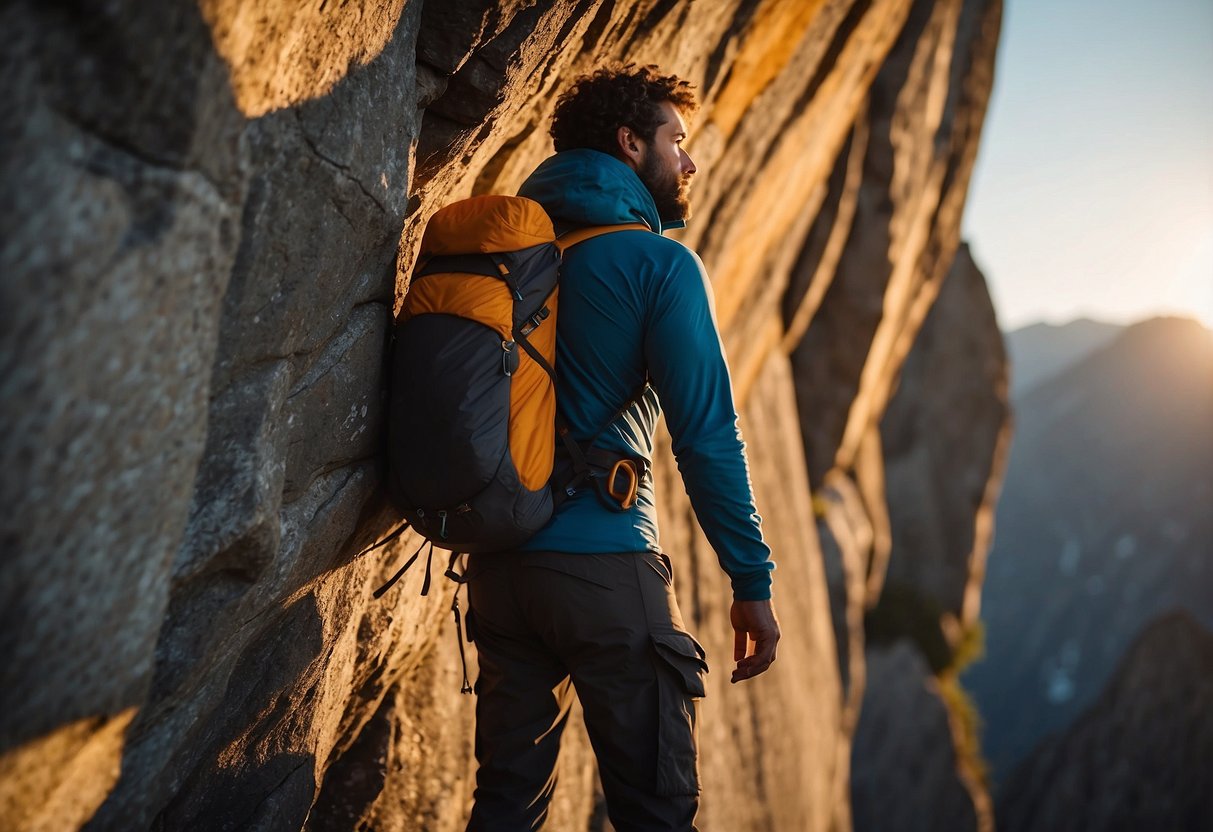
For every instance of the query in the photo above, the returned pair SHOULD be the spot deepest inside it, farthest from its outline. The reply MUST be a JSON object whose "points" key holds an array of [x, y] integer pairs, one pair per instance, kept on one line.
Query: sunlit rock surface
{"points": [[210, 214]]}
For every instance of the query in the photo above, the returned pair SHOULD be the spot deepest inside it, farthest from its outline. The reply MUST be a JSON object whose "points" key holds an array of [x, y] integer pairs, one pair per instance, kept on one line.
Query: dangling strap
{"points": [[450, 570], [463, 659], [400, 572], [429, 562], [401, 529]]}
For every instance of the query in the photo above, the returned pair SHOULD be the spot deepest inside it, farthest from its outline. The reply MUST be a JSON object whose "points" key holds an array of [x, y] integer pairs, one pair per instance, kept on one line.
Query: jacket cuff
{"points": [[752, 586]]}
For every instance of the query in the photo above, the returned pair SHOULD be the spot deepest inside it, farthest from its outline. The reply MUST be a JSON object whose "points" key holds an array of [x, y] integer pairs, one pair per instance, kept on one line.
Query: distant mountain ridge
{"points": [[1141, 757], [1039, 351], [1104, 523]]}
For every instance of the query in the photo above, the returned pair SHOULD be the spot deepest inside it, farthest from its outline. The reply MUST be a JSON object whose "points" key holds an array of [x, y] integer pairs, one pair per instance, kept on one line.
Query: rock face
{"points": [[904, 777], [1141, 757], [944, 439], [1104, 525], [210, 214]]}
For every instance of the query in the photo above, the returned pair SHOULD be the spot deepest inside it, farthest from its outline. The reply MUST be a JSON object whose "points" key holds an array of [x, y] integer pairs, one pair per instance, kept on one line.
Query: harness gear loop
{"points": [[627, 496]]}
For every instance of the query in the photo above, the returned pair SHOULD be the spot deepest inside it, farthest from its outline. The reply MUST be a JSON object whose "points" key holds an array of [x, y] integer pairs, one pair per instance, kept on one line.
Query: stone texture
{"points": [[776, 744], [923, 118], [857, 296], [121, 227], [210, 211], [908, 777], [1141, 757], [942, 446], [945, 438]]}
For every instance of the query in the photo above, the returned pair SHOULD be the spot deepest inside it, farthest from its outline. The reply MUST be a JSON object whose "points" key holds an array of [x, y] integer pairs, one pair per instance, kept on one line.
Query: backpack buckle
{"points": [[532, 323]]}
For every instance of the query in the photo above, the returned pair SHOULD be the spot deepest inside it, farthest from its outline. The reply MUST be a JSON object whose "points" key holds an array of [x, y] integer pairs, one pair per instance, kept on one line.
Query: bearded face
{"points": [[669, 187]]}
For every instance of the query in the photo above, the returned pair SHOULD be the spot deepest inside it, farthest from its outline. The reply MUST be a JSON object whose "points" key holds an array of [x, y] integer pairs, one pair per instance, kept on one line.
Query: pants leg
{"points": [[638, 695], [610, 621], [523, 700]]}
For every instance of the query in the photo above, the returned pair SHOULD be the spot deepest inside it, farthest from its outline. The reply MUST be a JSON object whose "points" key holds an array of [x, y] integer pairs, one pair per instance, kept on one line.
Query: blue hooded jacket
{"points": [[630, 302]]}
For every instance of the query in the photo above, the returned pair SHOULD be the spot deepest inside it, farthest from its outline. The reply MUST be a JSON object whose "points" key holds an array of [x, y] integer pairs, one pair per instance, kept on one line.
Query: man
{"points": [[589, 601]]}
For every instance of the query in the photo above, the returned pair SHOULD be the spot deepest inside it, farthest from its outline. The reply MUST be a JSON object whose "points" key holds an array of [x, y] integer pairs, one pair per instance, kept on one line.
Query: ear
{"points": [[630, 146]]}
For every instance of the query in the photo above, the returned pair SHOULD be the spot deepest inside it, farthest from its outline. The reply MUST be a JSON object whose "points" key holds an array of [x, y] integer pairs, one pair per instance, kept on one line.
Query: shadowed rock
{"points": [[1141, 757]]}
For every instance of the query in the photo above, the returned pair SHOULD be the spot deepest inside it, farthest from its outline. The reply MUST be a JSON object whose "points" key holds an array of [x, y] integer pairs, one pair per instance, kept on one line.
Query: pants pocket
{"points": [[681, 668]]}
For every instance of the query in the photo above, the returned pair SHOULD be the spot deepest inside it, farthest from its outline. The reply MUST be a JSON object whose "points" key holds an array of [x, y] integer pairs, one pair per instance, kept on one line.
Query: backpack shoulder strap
{"points": [[580, 235]]}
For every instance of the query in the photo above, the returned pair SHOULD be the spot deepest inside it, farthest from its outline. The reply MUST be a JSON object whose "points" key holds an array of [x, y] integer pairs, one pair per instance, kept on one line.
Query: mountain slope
{"points": [[1040, 351], [1141, 757], [1104, 523]]}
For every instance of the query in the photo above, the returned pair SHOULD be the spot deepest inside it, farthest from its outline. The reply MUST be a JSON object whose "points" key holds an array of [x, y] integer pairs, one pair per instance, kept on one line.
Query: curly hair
{"points": [[590, 112]]}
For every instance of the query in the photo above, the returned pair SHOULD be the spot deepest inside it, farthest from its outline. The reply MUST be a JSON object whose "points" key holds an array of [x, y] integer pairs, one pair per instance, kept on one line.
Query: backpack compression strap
{"points": [[577, 455]]}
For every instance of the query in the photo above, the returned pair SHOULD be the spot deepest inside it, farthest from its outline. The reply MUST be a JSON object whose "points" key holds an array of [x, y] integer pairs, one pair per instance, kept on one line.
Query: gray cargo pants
{"points": [[608, 626]]}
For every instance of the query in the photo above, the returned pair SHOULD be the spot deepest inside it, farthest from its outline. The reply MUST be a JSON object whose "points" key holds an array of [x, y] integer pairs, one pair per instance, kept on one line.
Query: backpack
{"points": [[472, 412]]}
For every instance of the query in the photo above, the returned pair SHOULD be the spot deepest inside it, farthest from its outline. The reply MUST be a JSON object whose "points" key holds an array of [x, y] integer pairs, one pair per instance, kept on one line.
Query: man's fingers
{"points": [[750, 667], [753, 623], [764, 654]]}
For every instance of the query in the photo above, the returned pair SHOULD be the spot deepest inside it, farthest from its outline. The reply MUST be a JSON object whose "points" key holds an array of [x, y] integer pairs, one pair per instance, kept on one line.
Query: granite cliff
{"points": [[210, 212]]}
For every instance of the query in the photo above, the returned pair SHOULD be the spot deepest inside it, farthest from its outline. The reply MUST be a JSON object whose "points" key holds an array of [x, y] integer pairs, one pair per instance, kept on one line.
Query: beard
{"points": [[669, 190]]}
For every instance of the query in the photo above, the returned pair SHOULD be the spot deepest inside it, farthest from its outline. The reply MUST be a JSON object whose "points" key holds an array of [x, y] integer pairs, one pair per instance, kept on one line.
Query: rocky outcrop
{"points": [[1141, 757], [873, 266], [943, 440], [905, 772], [210, 213]]}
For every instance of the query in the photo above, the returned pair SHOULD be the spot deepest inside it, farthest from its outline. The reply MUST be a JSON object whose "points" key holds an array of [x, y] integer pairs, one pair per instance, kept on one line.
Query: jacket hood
{"points": [[587, 187]]}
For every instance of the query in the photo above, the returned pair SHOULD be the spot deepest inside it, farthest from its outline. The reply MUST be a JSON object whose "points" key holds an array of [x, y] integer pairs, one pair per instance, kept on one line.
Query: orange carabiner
{"points": [[627, 498]]}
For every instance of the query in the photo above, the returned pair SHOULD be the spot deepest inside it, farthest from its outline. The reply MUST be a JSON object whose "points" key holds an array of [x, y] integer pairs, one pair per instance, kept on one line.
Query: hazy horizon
{"points": [[1096, 319]]}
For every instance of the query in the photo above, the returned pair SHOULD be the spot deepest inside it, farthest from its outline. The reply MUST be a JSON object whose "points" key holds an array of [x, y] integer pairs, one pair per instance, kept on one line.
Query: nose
{"points": [[685, 164]]}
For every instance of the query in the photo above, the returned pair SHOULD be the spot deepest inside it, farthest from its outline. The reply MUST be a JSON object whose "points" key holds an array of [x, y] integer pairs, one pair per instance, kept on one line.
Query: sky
{"points": [[1093, 190]]}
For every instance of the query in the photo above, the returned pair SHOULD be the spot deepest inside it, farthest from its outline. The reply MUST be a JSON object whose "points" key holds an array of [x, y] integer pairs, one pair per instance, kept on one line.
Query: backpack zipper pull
{"points": [[508, 352], [442, 531]]}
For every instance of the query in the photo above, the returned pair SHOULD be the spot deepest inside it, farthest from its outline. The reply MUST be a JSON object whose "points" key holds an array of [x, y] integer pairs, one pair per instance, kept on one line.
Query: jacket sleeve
{"points": [[687, 367]]}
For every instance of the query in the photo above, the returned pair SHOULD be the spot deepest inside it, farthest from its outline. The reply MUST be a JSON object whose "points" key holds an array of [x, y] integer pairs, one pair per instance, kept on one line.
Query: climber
{"points": [[588, 602]]}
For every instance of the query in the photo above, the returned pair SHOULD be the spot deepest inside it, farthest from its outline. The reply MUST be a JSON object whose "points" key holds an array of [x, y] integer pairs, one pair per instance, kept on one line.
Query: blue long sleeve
{"points": [[634, 304], [687, 365]]}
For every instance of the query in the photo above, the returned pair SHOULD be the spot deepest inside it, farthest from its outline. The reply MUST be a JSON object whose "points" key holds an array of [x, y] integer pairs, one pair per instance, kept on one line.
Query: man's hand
{"points": [[755, 634]]}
